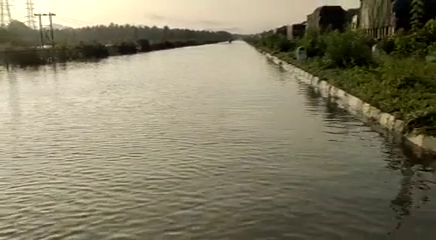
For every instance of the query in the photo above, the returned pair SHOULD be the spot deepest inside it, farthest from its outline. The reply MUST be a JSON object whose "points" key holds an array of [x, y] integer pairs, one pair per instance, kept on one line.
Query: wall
{"points": [[376, 14]]}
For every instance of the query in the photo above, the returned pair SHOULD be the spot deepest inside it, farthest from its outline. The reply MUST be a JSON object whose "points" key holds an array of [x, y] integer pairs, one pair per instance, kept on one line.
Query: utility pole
{"points": [[30, 15], [50, 16], [41, 35]]}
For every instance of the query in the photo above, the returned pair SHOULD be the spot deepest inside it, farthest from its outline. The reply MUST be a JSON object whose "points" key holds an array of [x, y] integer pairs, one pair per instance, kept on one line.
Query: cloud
{"points": [[171, 20], [227, 29], [211, 23], [156, 17]]}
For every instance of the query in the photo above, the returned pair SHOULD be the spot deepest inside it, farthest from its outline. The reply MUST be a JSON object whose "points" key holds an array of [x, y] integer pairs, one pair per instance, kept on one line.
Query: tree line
{"points": [[18, 34]]}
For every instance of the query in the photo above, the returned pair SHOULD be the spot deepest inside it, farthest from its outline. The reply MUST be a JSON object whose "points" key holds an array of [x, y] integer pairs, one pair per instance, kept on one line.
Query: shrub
{"points": [[64, 53], [410, 45], [144, 45], [347, 49], [387, 45], [314, 44], [428, 32], [407, 73], [92, 50], [125, 48]]}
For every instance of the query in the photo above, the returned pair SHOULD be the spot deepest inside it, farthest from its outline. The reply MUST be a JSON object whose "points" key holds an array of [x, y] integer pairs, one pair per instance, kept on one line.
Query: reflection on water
{"points": [[14, 96], [210, 142], [417, 172], [415, 185]]}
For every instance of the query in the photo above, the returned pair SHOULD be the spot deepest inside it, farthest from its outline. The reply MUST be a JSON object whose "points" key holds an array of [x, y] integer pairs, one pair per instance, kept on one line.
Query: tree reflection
{"points": [[415, 170], [334, 112], [13, 96], [312, 96]]}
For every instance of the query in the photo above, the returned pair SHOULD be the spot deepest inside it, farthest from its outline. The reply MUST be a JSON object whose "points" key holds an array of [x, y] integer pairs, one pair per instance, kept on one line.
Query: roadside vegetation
{"points": [[398, 78]]}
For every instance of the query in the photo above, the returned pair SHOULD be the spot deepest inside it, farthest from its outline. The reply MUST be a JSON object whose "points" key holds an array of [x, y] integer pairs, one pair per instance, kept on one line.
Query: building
{"points": [[296, 31], [381, 18], [376, 17], [327, 18], [283, 30]]}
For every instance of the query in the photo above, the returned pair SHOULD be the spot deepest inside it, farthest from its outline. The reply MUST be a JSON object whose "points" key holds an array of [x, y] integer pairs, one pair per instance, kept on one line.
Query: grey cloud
{"points": [[199, 22]]}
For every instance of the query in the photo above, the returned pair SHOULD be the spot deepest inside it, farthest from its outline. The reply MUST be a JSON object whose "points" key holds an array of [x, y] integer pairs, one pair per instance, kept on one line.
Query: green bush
{"points": [[124, 48], [429, 31], [407, 73], [92, 50], [64, 53], [387, 45], [410, 45], [415, 43], [347, 49], [314, 43], [277, 42]]}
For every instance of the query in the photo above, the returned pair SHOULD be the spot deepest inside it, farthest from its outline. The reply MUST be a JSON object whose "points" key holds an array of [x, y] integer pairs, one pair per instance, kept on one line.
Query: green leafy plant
{"points": [[347, 49], [417, 13]]}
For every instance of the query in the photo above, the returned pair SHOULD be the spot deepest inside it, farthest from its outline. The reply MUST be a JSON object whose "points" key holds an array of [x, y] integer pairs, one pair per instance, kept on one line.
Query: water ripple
{"points": [[221, 146]]}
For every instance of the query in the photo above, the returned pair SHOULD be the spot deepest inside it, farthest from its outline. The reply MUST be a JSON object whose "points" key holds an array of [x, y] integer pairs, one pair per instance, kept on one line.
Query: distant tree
{"points": [[20, 34]]}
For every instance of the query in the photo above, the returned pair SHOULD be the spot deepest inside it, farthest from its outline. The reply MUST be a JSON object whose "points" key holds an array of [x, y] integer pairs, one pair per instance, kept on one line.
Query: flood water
{"points": [[210, 142]]}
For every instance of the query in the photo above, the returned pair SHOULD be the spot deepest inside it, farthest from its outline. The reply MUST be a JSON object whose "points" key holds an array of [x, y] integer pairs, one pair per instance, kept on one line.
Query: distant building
{"points": [[283, 30], [296, 31], [327, 18]]}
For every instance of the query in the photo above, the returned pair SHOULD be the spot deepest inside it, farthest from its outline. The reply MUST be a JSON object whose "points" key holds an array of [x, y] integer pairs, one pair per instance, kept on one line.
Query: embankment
{"points": [[424, 143], [26, 56]]}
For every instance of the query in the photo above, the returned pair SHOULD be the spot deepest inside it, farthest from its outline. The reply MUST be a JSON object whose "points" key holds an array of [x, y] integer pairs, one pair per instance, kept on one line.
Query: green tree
{"points": [[417, 14]]}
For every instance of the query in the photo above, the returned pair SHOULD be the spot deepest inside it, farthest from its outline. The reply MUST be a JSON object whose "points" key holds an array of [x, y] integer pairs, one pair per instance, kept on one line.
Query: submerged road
{"points": [[210, 142]]}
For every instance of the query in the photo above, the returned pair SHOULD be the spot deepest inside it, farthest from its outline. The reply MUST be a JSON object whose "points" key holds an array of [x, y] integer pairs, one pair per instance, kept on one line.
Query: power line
{"points": [[76, 21], [30, 17], [5, 13]]}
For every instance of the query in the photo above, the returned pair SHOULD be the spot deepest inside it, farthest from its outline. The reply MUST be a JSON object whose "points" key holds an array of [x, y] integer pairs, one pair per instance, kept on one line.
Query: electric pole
{"points": [[30, 6], [41, 30], [41, 35], [50, 16], [5, 13]]}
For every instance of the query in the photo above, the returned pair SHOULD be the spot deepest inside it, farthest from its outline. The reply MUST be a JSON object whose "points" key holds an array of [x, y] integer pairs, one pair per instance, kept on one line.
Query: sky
{"points": [[237, 16]]}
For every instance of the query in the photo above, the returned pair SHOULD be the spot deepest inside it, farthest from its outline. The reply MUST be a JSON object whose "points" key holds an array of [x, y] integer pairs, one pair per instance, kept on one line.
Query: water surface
{"points": [[209, 142]]}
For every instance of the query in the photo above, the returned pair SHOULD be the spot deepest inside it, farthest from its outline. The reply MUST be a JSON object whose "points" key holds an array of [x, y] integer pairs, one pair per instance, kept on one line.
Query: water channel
{"points": [[210, 142]]}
